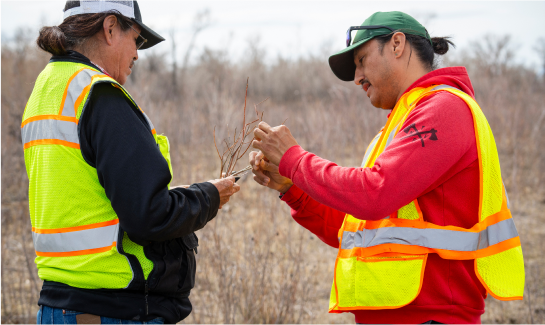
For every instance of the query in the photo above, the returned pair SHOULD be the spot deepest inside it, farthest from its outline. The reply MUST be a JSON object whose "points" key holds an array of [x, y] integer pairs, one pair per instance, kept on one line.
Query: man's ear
{"points": [[397, 44], [108, 28]]}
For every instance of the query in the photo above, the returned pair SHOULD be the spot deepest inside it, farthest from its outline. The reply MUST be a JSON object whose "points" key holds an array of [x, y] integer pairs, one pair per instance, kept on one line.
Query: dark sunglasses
{"points": [[349, 31], [140, 40]]}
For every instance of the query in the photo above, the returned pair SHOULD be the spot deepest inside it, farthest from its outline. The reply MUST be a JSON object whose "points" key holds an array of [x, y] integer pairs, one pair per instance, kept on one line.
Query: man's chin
{"points": [[375, 102], [380, 104]]}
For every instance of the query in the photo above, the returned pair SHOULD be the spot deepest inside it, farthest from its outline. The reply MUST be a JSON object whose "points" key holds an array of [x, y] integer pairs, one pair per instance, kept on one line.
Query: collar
{"points": [[76, 57]]}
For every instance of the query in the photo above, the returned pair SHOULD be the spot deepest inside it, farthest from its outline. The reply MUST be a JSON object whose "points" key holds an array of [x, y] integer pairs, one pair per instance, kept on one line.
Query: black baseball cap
{"points": [[128, 9], [379, 23]]}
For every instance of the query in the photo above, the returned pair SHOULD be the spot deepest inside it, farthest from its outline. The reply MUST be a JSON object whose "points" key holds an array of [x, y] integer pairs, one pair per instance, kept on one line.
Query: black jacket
{"points": [[116, 140]]}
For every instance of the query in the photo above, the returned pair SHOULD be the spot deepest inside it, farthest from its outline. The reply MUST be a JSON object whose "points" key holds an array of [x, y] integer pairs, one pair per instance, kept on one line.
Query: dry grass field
{"points": [[255, 264]]}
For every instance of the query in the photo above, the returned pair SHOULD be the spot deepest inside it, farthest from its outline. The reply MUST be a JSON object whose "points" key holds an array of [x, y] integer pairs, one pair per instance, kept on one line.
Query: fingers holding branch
{"points": [[226, 188]]}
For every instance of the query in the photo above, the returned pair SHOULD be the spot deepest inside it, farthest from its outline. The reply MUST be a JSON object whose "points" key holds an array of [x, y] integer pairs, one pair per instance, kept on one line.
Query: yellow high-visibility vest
{"points": [[380, 264], [75, 230]]}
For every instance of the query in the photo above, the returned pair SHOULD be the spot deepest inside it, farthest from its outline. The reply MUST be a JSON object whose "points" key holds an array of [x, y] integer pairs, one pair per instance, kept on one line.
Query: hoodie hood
{"points": [[452, 76]]}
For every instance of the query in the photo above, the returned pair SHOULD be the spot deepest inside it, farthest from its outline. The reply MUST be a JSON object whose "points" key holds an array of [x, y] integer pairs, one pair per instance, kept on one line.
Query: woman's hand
{"points": [[266, 173], [226, 187]]}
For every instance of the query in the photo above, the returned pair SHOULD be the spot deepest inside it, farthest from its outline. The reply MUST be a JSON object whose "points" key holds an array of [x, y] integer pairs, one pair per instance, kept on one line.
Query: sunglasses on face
{"points": [[140, 40], [349, 31]]}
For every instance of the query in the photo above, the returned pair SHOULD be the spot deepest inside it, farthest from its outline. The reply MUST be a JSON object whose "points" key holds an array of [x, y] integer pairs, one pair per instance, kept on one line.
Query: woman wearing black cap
{"points": [[114, 244]]}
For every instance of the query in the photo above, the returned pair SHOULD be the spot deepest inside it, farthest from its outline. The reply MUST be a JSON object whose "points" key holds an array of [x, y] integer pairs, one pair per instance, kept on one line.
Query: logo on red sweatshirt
{"points": [[416, 134]]}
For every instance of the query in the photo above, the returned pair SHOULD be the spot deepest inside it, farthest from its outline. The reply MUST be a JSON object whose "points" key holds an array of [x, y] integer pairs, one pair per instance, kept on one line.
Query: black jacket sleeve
{"points": [[116, 140]]}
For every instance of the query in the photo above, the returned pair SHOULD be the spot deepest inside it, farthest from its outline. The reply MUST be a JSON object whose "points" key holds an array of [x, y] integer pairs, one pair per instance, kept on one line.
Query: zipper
{"points": [[146, 298]]}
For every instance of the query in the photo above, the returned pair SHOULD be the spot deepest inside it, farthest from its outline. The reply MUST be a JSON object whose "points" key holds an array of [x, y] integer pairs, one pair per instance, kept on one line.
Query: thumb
{"points": [[231, 179], [270, 167]]}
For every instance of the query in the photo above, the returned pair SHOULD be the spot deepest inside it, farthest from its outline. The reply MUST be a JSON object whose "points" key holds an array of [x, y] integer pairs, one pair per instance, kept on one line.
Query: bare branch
{"points": [[239, 147]]}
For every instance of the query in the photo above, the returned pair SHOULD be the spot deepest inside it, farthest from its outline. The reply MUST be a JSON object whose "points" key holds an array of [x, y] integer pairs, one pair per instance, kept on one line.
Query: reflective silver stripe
{"points": [[439, 88], [50, 129], [432, 238], [76, 86], [444, 87], [391, 137], [374, 143], [370, 149], [75, 240]]}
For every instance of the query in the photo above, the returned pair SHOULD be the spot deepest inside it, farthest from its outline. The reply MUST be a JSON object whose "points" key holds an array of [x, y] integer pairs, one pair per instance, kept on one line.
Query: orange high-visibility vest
{"points": [[380, 264]]}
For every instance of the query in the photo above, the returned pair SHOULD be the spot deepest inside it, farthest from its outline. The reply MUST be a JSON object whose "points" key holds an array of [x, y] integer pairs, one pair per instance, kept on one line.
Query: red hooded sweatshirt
{"points": [[442, 173]]}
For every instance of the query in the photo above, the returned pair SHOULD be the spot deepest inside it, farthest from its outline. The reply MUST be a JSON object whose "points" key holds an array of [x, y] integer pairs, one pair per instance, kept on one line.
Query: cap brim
{"points": [[342, 63], [152, 37]]}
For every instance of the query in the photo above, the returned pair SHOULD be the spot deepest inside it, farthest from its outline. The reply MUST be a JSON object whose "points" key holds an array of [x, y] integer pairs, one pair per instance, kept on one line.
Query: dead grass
{"points": [[255, 264]]}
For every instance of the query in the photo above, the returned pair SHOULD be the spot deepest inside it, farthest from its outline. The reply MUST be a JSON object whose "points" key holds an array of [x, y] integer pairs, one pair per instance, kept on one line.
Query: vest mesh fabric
{"points": [[408, 212], [508, 282], [45, 99], [64, 191], [392, 280], [134, 249]]}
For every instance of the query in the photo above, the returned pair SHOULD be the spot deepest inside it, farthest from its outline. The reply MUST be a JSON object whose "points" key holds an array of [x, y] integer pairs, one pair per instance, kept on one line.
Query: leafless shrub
{"points": [[236, 149]]}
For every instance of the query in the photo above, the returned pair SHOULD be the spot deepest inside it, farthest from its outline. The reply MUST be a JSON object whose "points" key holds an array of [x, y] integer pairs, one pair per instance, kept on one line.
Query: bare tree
{"points": [[540, 49], [495, 52], [201, 21], [174, 74]]}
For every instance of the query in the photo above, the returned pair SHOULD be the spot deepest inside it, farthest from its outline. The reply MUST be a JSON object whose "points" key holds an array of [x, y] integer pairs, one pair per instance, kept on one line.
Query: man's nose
{"points": [[358, 76]]}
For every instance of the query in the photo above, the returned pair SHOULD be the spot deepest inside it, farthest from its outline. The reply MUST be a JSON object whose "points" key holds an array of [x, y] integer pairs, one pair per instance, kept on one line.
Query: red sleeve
{"points": [[408, 168], [320, 219]]}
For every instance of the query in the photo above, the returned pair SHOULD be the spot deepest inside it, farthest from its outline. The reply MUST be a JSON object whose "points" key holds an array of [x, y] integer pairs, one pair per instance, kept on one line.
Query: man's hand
{"points": [[266, 173], [273, 141], [226, 187]]}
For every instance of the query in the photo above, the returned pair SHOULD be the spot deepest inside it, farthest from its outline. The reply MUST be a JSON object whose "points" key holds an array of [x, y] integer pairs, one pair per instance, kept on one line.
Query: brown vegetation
{"points": [[255, 264]]}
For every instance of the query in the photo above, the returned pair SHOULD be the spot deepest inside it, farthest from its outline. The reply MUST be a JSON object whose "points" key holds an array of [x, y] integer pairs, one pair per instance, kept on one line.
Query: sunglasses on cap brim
{"points": [[349, 31]]}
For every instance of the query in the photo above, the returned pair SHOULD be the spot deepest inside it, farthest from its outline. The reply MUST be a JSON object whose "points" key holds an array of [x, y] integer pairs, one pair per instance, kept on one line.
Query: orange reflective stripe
{"points": [[77, 253], [49, 117], [419, 211], [77, 228], [84, 92], [66, 89], [51, 141], [371, 260], [395, 222]]}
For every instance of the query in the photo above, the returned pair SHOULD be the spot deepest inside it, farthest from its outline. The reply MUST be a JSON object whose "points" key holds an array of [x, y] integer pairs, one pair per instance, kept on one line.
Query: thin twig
{"points": [[240, 146]]}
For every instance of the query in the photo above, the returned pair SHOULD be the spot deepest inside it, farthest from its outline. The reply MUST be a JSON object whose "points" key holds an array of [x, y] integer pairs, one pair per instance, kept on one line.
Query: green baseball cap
{"points": [[379, 23]]}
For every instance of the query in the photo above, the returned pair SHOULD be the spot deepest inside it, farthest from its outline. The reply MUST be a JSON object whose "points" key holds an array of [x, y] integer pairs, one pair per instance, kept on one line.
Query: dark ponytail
{"points": [[52, 40], [422, 47], [440, 44], [75, 30]]}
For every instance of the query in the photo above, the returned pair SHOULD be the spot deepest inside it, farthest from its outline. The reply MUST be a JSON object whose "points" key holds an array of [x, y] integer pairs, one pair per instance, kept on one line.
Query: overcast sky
{"points": [[299, 28]]}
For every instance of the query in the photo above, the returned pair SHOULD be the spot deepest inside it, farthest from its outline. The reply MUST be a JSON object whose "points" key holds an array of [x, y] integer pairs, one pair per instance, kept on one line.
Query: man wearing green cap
{"points": [[423, 227]]}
